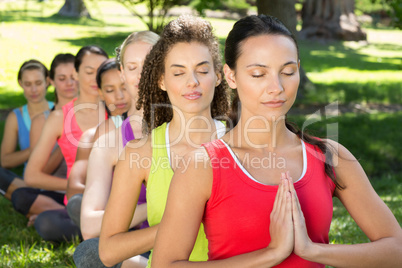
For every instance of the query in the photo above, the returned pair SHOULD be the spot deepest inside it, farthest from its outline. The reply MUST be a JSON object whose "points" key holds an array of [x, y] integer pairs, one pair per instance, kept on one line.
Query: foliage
{"points": [[380, 8], [369, 7], [157, 11], [395, 12], [238, 6]]}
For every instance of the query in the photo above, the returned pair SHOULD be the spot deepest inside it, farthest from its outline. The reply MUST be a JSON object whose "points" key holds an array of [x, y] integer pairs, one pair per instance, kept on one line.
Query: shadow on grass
{"points": [[372, 138], [107, 41], [370, 92], [321, 57], [37, 16], [317, 57], [392, 47]]}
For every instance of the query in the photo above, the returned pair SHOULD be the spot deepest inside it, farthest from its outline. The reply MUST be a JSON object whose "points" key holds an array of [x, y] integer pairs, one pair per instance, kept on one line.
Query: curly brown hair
{"points": [[152, 99]]}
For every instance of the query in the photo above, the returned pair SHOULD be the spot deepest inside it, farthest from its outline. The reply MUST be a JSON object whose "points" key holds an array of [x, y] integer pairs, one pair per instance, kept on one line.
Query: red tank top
{"points": [[69, 140], [237, 214]]}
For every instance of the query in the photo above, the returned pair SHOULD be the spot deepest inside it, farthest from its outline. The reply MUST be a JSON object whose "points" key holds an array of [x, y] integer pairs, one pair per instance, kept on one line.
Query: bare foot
{"points": [[31, 220]]}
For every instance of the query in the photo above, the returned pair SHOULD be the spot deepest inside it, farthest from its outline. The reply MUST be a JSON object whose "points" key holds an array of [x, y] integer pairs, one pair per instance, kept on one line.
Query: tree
{"points": [[239, 6], [330, 19], [395, 11], [157, 11], [74, 8], [285, 11], [282, 9]]}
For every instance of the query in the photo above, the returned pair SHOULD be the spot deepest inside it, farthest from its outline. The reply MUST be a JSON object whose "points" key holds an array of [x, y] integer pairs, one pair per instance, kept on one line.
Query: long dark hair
{"points": [[92, 49], [59, 59], [251, 26]]}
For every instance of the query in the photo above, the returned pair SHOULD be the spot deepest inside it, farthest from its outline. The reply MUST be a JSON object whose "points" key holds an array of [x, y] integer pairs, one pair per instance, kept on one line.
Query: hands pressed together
{"points": [[288, 227]]}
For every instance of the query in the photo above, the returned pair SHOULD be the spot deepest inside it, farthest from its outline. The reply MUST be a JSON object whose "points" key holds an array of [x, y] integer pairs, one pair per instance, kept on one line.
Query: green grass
{"points": [[374, 139], [346, 72], [343, 71], [23, 247], [355, 72], [343, 228]]}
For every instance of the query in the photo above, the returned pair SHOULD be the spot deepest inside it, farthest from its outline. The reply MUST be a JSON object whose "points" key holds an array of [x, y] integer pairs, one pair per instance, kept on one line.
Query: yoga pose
{"points": [[65, 85], [32, 201], [258, 214], [33, 77], [182, 95], [117, 102], [66, 127], [105, 154]]}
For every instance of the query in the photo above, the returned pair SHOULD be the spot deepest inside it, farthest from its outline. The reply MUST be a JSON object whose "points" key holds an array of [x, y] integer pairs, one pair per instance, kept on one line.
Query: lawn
{"points": [[347, 72]]}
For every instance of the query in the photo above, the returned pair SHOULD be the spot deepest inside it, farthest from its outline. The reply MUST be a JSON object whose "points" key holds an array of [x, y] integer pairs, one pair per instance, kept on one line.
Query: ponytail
{"points": [[322, 145]]}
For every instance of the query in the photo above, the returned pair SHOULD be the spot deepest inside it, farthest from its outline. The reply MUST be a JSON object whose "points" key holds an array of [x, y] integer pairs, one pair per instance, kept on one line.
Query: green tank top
{"points": [[158, 184]]}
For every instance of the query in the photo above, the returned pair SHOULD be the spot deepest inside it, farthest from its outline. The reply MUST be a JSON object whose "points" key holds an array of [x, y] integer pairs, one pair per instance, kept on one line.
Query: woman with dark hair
{"points": [[61, 75], [32, 201], [105, 154], [254, 213], [112, 91], [33, 77], [65, 127], [116, 99], [182, 95]]}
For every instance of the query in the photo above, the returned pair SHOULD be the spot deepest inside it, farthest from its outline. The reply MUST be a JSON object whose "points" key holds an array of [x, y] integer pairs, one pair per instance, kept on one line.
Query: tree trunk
{"points": [[330, 19], [282, 9], [285, 11], [75, 9]]}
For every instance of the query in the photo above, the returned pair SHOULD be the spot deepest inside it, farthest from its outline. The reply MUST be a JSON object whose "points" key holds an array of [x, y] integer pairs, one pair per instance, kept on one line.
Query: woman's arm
{"points": [[9, 156], [34, 175], [77, 179], [116, 243], [371, 215], [56, 156], [97, 190], [37, 124], [188, 193]]}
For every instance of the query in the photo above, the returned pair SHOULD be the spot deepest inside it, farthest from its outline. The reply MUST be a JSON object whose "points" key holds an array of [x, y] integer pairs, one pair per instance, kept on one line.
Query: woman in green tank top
{"points": [[182, 93]]}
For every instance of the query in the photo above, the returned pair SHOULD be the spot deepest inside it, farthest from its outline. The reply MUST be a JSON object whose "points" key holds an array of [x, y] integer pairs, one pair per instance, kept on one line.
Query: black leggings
{"points": [[6, 178], [56, 225], [24, 197]]}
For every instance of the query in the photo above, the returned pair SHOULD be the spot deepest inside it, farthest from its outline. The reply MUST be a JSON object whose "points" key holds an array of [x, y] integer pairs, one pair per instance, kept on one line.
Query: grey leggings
{"points": [[56, 225], [86, 255]]}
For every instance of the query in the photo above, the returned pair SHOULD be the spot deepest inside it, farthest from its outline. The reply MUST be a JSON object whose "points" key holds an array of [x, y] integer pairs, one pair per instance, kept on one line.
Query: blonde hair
{"points": [[144, 36]]}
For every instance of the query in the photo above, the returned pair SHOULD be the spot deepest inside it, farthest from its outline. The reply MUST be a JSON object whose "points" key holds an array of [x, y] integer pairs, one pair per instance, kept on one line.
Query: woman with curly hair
{"points": [[182, 94]]}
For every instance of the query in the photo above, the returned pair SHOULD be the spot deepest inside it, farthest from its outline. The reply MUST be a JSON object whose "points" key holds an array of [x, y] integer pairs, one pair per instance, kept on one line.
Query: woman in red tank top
{"points": [[66, 127], [241, 186]]}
